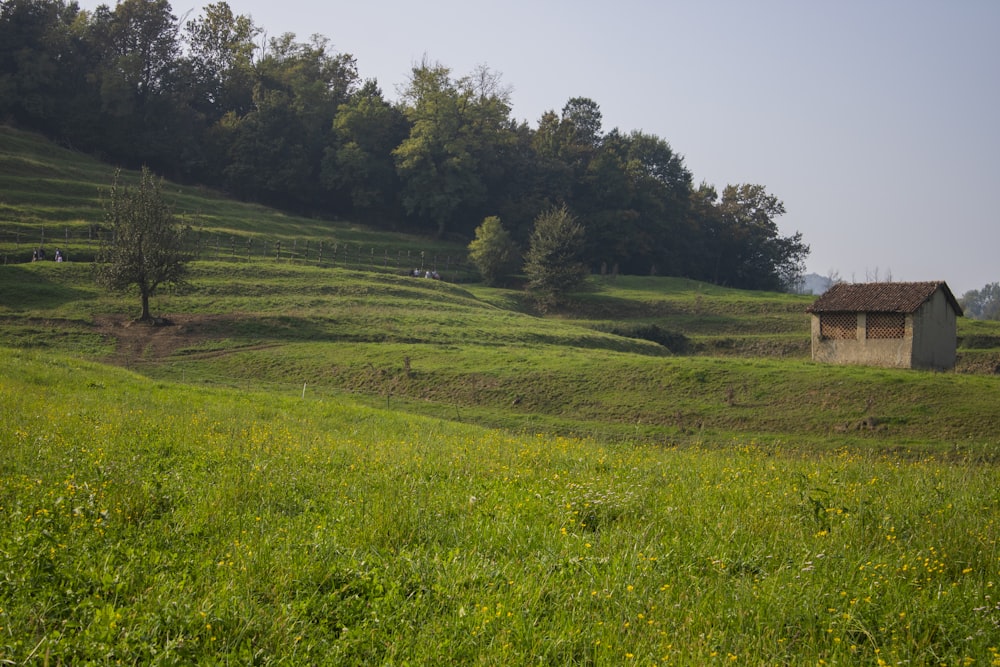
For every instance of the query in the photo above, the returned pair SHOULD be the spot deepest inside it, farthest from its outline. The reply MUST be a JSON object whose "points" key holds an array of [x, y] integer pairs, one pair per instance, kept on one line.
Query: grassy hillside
{"points": [[297, 466], [447, 350], [734, 361], [51, 197]]}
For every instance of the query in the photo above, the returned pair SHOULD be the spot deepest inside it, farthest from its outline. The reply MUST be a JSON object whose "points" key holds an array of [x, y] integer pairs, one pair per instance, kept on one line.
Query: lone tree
{"points": [[492, 251], [554, 263], [146, 245]]}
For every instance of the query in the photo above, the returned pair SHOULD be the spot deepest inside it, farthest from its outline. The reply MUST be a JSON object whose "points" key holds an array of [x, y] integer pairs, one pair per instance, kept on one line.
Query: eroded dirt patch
{"points": [[155, 341]]}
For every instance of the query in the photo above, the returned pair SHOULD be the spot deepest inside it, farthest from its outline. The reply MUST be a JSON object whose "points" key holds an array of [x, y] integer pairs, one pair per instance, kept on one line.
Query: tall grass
{"points": [[148, 522]]}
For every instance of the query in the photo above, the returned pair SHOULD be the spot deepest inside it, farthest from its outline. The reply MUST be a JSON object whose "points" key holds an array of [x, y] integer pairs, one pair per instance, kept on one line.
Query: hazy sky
{"points": [[876, 122]]}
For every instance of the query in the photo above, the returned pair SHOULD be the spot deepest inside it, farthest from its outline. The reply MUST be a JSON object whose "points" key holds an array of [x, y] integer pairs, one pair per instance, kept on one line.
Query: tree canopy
{"points": [[207, 99]]}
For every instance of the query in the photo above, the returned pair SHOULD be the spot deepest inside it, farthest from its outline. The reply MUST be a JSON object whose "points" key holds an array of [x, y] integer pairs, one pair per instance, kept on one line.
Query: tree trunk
{"points": [[145, 317]]}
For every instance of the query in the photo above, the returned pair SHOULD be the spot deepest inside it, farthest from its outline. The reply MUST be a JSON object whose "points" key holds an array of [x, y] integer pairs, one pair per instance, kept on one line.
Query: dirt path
{"points": [[151, 342]]}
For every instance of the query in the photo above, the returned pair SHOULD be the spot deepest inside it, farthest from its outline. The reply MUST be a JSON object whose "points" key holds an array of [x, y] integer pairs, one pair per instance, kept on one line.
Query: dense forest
{"points": [[291, 124]]}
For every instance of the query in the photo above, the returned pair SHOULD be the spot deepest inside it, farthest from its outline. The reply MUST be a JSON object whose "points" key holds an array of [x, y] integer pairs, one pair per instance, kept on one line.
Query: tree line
{"points": [[213, 100], [982, 304]]}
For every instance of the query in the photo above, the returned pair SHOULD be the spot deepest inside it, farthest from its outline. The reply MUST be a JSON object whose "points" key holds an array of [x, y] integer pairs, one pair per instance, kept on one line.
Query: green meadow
{"points": [[317, 459]]}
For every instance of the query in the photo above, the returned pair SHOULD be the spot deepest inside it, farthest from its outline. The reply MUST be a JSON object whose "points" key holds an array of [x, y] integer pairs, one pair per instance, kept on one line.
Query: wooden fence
{"points": [[83, 243]]}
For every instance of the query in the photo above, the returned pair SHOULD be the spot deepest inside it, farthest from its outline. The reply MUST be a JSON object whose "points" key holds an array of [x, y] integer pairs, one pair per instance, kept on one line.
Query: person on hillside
{"points": [[59, 255]]}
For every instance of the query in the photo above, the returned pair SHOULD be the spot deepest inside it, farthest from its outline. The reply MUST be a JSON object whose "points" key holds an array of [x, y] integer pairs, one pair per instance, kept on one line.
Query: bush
{"points": [[492, 251]]}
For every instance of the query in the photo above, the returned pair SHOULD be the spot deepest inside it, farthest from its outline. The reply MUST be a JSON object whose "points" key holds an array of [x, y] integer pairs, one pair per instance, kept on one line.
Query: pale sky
{"points": [[875, 122]]}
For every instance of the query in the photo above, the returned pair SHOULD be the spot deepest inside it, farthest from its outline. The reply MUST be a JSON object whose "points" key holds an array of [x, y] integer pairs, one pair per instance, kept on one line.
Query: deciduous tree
{"points": [[750, 252], [492, 251], [459, 130], [42, 66], [221, 60], [141, 99], [584, 116], [145, 250], [359, 161]]}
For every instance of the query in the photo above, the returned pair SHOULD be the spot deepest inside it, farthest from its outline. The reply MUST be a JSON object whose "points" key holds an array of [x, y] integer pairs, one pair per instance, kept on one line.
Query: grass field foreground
{"points": [[154, 523]]}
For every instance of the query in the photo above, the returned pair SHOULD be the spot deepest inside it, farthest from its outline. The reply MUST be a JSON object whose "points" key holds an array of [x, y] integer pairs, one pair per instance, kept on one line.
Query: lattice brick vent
{"points": [[838, 326], [885, 325]]}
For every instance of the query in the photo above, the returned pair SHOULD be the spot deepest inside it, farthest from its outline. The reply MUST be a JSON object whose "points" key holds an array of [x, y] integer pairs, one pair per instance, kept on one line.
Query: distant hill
{"points": [[814, 283]]}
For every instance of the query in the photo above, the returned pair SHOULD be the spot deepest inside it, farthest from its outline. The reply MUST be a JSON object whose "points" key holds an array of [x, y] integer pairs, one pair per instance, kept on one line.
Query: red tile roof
{"points": [[880, 297]]}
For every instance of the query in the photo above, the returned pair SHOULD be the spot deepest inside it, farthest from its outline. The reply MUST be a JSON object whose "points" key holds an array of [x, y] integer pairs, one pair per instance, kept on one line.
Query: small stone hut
{"points": [[898, 325]]}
